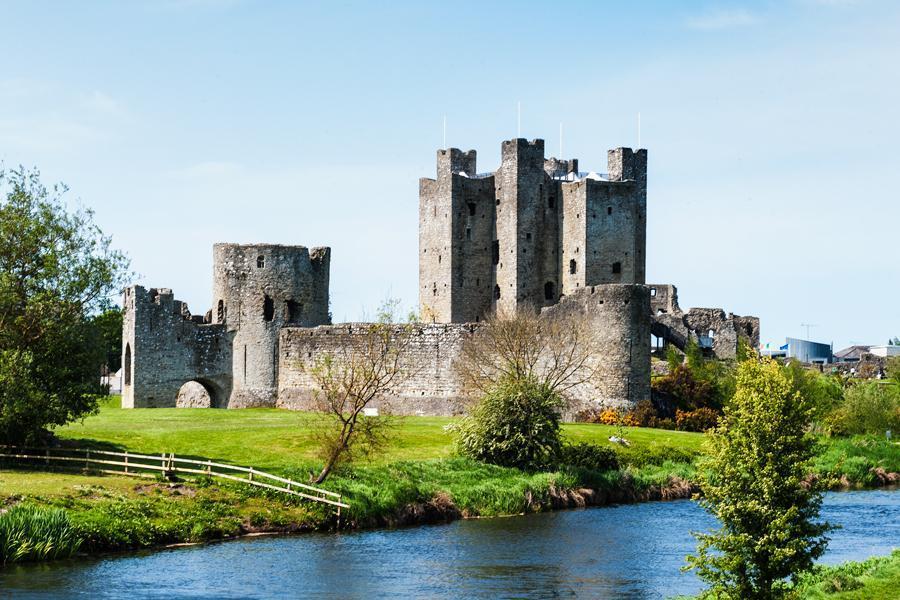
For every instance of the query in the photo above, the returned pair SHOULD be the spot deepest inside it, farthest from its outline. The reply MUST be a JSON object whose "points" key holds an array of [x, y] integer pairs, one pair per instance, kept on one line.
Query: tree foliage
{"points": [[57, 269], [756, 482], [353, 377], [520, 367], [556, 352]]}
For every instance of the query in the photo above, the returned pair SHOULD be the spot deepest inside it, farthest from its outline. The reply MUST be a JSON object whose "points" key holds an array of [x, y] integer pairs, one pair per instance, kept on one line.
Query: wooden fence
{"points": [[105, 461]]}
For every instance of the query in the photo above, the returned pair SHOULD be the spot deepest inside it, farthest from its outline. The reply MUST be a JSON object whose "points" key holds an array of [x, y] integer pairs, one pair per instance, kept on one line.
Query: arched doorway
{"points": [[196, 394]]}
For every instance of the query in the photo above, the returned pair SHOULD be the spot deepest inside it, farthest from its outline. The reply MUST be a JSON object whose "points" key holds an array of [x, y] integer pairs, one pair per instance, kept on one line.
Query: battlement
{"points": [[627, 164], [455, 161], [534, 230]]}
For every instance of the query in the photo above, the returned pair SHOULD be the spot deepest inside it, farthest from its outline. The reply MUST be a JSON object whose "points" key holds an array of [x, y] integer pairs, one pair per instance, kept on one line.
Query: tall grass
{"points": [[33, 533]]}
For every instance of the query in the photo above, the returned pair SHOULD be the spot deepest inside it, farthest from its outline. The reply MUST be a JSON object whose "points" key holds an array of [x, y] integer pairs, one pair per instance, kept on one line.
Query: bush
{"points": [[686, 390], [696, 420], [607, 416], [870, 407], [516, 424], [31, 533], [589, 456]]}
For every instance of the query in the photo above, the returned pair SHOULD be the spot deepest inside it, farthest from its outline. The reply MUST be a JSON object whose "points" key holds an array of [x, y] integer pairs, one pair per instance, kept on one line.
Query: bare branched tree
{"points": [[350, 379], [553, 349]]}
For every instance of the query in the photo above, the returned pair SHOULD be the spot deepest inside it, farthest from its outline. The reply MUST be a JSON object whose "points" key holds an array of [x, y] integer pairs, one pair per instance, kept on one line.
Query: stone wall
{"points": [[164, 347], [431, 385], [529, 232], [712, 329], [258, 289]]}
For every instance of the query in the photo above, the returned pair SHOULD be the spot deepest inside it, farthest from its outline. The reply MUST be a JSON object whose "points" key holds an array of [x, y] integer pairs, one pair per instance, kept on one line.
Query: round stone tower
{"points": [[258, 289]]}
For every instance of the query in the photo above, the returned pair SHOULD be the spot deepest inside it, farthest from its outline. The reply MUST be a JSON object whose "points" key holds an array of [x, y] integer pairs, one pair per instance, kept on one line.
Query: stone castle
{"points": [[536, 234]]}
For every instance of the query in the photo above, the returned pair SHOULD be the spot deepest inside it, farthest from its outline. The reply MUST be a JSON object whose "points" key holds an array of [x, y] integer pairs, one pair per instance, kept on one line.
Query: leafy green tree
{"points": [[755, 481], [57, 269], [892, 368], [108, 325], [869, 407]]}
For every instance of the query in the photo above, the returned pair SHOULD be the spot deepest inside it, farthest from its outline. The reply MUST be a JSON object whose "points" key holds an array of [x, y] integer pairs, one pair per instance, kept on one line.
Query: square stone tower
{"points": [[528, 233]]}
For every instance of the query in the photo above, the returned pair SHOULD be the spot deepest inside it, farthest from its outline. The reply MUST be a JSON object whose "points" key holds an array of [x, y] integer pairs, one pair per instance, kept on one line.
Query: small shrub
{"points": [[607, 416], [516, 424], [589, 456], [870, 407], [696, 420], [30, 533]]}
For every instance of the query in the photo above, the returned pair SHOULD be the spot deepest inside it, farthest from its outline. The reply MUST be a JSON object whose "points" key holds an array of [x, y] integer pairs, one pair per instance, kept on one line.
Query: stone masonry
{"points": [[527, 234], [537, 234], [711, 328]]}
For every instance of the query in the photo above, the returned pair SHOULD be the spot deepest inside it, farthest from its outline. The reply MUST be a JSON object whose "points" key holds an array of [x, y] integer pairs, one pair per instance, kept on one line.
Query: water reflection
{"points": [[620, 552]]}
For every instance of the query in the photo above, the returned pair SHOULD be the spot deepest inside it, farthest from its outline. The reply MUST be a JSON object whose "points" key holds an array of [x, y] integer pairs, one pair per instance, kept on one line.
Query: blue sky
{"points": [[772, 130]]}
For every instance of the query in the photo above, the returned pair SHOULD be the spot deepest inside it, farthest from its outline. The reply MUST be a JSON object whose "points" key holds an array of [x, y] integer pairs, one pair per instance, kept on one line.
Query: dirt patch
{"points": [[168, 489]]}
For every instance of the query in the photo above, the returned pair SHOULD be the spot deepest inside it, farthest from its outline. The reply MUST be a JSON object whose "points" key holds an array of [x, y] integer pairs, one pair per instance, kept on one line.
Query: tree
{"points": [[520, 367], [555, 351], [352, 378], [56, 270], [108, 325], [755, 481]]}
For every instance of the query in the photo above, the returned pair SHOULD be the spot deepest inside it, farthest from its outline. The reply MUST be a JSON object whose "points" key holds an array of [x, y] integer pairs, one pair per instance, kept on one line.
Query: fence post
{"points": [[126, 462], [87, 459], [48, 457], [251, 474], [209, 467]]}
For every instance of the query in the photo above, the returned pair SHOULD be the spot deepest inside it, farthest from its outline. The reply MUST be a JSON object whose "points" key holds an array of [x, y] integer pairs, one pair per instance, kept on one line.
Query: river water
{"points": [[632, 551]]}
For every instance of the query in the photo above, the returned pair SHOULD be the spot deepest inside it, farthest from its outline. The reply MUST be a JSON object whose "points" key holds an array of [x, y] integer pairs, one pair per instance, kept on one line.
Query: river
{"points": [[631, 551]]}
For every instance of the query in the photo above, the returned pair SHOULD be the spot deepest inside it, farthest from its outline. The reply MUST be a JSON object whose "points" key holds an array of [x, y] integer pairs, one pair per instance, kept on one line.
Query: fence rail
{"points": [[168, 464]]}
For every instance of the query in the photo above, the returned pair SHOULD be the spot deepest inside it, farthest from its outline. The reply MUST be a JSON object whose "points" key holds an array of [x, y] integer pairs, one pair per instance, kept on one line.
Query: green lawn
{"points": [[281, 439]]}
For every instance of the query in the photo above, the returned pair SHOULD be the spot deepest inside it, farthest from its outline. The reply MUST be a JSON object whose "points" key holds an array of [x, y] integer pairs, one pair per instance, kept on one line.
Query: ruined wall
{"points": [[429, 386], [712, 329], [258, 289], [619, 315], [163, 347]]}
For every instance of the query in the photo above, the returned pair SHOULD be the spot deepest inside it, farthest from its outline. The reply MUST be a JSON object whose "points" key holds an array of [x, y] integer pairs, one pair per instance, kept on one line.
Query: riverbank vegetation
{"points": [[415, 478]]}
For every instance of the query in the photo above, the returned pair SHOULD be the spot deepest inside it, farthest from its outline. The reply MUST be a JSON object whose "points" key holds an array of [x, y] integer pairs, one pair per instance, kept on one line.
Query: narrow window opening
{"points": [[498, 201], [293, 311], [528, 236], [653, 292], [573, 267], [496, 292], [260, 262], [268, 308], [471, 209], [549, 291], [439, 259], [127, 365], [609, 210], [551, 202], [495, 251], [477, 282], [469, 233], [220, 312], [616, 268]]}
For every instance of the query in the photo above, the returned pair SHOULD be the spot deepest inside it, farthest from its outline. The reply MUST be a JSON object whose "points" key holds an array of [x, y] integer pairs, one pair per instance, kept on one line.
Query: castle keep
{"points": [[537, 234], [529, 233]]}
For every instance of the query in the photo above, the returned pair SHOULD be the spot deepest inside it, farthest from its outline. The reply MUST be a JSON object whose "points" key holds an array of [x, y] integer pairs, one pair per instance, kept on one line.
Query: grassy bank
{"points": [[416, 479], [877, 577]]}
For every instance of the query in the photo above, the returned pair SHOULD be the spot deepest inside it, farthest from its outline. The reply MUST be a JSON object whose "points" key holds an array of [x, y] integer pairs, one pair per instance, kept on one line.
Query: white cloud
{"points": [[723, 19]]}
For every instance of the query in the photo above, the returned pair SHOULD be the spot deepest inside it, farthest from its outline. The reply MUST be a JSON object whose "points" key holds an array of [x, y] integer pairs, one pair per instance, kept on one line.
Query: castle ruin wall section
{"points": [[257, 290], [429, 385], [164, 347]]}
